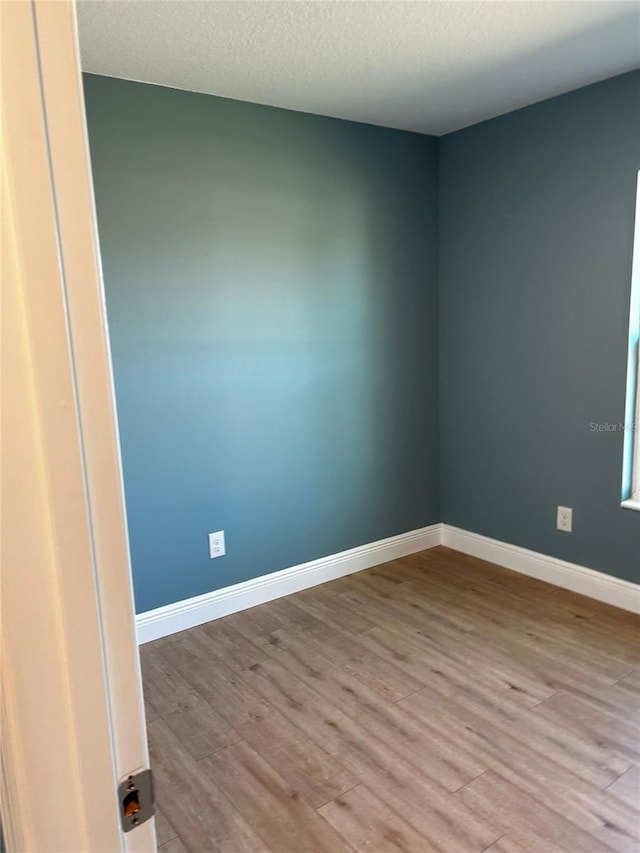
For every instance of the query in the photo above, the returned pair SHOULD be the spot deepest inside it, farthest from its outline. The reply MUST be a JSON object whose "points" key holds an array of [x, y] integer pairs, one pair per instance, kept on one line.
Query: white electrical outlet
{"points": [[564, 519], [216, 545]]}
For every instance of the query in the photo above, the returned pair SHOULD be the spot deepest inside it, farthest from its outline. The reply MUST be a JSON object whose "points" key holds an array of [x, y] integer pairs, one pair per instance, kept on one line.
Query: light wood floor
{"points": [[433, 703]]}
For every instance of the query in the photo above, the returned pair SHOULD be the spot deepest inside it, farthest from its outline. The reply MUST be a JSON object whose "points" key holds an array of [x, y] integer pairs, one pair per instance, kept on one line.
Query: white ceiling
{"points": [[427, 66]]}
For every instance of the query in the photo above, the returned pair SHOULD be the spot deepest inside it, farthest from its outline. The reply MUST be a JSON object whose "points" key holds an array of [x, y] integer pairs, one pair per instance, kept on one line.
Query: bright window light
{"points": [[631, 471]]}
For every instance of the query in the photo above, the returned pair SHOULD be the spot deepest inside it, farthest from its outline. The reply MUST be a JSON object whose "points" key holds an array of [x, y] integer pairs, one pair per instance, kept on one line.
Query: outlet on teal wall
{"points": [[536, 229], [272, 296]]}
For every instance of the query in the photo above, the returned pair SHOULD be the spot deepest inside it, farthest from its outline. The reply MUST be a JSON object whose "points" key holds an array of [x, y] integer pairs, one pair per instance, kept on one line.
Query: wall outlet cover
{"points": [[216, 545], [564, 519]]}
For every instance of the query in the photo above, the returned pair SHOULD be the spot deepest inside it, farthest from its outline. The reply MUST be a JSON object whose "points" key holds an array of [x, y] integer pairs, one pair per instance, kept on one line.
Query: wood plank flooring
{"points": [[434, 703]]}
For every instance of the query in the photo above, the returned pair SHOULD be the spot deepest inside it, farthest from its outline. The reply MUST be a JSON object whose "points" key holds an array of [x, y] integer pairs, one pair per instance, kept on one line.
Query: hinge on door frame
{"points": [[136, 799]]}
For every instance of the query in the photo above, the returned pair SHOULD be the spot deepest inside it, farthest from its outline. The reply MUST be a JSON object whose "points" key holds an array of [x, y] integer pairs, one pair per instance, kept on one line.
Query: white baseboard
{"points": [[163, 621], [221, 602], [589, 582]]}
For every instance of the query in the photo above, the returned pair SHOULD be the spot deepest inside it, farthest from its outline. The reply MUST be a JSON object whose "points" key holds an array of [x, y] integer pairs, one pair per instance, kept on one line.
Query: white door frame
{"points": [[72, 714]]}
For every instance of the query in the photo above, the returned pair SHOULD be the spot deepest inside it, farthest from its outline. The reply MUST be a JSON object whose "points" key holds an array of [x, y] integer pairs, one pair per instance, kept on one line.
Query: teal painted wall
{"points": [[271, 284], [536, 224]]}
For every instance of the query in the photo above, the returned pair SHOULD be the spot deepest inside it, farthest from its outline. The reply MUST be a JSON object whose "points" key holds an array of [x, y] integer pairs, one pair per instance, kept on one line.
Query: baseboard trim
{"points": [[589, 582], [172, 618], [167, 620]]}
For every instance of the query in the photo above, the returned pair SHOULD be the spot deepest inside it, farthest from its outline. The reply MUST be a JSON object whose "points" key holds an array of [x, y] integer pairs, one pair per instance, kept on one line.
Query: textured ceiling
{"points": [[427, 66]]}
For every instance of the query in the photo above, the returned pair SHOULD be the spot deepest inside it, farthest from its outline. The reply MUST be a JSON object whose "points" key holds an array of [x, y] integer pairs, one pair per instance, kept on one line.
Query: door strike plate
{"points": [[136, 798]]}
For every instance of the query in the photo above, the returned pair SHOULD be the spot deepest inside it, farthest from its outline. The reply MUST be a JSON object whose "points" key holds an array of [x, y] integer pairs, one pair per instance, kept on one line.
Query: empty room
{"points": [[321, 434]]}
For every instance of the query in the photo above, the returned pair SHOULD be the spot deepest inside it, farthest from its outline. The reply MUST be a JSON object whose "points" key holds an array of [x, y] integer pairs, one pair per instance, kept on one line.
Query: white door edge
{"points": [[73, 721]]}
